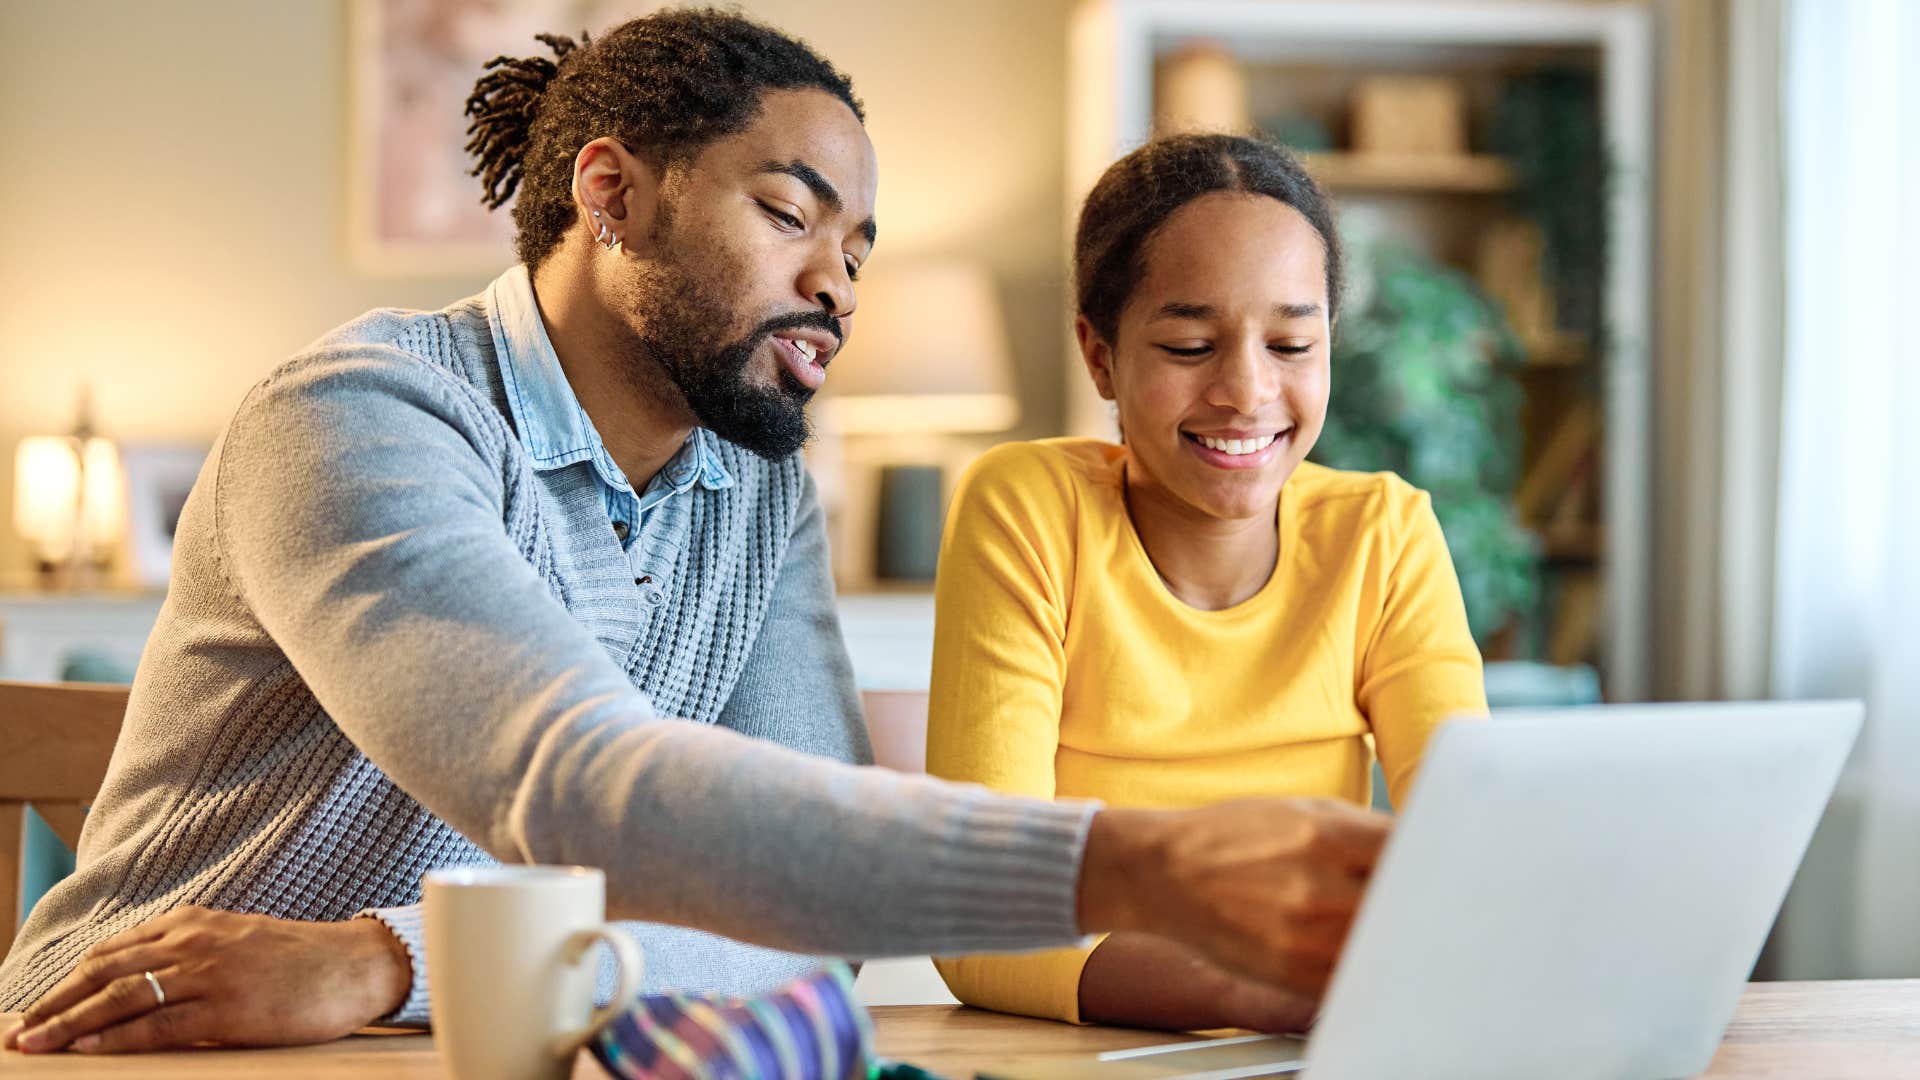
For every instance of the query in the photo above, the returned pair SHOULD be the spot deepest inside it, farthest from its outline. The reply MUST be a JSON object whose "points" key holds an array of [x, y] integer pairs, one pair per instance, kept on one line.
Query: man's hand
{"points": [[1264, 888], [236, 980]]}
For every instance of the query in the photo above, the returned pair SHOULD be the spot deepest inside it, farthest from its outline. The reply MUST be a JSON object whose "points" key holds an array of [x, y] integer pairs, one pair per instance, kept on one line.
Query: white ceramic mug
{"points": [[509, 952]]}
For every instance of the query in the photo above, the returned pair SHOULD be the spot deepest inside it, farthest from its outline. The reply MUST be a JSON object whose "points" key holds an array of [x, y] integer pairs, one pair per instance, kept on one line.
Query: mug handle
{"points": [[578, 947]]}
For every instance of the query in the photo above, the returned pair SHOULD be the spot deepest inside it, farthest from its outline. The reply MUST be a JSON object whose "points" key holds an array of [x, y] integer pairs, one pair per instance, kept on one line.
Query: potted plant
{"points": [[1423, 386]]}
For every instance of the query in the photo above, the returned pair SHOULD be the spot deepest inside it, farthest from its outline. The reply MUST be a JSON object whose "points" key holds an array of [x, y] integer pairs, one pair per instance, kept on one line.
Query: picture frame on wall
{"points": [[413, 208], [159, 478]]}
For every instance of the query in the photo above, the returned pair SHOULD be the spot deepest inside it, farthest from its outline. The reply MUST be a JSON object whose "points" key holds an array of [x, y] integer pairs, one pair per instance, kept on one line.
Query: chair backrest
{"points": [[55, 742]]}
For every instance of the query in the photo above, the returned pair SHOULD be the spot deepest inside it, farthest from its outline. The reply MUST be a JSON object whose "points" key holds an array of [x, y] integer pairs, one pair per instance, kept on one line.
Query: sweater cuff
{"points": [[407, 924], [1006, 873]]}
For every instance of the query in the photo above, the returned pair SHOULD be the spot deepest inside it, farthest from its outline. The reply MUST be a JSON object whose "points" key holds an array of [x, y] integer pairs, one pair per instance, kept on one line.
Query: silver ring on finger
{"points": [[159, 995]]}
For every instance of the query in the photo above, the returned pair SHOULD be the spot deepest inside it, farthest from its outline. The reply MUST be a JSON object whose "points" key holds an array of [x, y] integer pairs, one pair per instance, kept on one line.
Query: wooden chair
{"points": [[55, 741]]}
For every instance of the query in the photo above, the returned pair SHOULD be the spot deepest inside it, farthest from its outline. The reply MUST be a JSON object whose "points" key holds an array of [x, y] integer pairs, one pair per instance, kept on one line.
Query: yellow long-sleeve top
{"points": [[1064, 667]]}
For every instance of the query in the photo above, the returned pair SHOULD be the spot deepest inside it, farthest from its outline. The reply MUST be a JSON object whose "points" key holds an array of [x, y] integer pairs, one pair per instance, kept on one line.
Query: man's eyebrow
{"points": [[821, 187], [1296, 311]]}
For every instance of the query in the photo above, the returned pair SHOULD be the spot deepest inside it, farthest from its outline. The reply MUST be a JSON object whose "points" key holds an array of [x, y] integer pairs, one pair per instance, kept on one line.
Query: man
{"points": [[447, 574]]}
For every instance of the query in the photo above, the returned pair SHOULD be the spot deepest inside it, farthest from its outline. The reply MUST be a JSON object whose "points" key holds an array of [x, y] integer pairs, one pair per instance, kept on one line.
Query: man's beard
{"points": [[680, 309]]}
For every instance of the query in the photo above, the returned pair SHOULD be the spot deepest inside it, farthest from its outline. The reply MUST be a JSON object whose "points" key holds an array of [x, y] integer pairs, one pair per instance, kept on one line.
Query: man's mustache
{"points": [[815, 319]]}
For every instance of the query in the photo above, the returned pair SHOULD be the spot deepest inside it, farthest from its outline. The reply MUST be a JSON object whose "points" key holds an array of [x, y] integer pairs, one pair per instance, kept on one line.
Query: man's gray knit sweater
{"points": [[390, 645]]}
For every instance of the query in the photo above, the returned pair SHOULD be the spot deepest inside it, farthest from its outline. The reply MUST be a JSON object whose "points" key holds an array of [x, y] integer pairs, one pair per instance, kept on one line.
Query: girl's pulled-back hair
{"points": [[1138, 193]]}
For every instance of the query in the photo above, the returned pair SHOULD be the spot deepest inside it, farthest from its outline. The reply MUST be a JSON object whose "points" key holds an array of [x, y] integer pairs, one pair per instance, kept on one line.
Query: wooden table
{"points": [[1831, 1030]]}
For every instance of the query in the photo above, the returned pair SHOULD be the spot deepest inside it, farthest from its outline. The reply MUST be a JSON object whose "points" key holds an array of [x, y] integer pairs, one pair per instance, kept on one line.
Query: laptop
{"points": [[1576, 893]]}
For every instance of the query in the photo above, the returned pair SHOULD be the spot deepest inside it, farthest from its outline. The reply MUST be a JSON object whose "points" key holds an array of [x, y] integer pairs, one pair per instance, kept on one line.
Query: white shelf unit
{"points": [[1113, 45]]}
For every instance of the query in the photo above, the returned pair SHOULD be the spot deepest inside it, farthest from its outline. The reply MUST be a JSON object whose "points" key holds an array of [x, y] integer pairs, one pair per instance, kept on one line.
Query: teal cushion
{"points": [[44, 861], [1526, 684], [85, 665]]}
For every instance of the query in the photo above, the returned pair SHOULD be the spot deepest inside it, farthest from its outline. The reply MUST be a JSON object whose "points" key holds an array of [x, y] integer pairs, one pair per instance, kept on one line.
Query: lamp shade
{"points": [[69, 495], [928, 353], [46, 494], [103, 497]]}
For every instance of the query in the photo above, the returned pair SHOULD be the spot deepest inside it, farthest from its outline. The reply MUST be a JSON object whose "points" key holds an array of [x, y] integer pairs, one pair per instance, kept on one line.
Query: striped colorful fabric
{"points": [[810, 1029]]}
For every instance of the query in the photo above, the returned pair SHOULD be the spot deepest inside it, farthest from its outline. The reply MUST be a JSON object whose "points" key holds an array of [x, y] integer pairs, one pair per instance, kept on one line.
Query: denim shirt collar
{"points": [[553, 427]]}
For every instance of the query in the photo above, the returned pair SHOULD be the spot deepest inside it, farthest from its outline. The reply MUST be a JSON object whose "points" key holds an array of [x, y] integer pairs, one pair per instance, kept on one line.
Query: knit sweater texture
{"points": [[390, 645]]}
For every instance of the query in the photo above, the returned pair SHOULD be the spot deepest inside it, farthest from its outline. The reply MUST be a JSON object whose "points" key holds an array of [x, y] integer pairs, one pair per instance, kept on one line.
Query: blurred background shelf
{"points": [[1560, 352], [1482, 157], [1583, 547], [1470, 174]]}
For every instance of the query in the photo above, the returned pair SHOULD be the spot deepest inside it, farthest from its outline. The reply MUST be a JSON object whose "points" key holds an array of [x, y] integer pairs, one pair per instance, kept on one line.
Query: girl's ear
{"points": [[1097, 354]]}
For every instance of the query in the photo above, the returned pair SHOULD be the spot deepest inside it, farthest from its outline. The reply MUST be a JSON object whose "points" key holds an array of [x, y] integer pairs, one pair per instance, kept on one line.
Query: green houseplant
{"points": [[1422, 386]]}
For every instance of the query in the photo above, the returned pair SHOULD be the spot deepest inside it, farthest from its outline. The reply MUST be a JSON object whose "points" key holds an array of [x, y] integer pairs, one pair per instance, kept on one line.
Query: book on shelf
{"points": [[1554, 468], [1576, 620]]}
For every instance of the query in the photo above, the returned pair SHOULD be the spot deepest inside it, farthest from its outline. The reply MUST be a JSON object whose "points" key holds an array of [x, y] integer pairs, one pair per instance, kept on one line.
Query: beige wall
{"points": [[173, 192]]}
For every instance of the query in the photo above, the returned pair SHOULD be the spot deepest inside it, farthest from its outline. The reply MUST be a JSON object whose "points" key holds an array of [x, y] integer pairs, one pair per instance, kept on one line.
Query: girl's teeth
{"points": [[1236, 447]]}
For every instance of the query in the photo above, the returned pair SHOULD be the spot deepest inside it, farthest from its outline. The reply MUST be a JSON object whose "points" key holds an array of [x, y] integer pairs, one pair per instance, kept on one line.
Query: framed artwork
{"points": [[413, 208], [159, 478]]}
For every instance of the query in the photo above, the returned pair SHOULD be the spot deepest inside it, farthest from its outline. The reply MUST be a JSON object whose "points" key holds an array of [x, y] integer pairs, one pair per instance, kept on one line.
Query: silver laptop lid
{"points": [[1579, 893]]}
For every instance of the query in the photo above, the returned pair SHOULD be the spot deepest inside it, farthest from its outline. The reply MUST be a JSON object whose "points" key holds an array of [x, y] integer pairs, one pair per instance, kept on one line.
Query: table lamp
{"points": [[928, 356], [69, 504]]}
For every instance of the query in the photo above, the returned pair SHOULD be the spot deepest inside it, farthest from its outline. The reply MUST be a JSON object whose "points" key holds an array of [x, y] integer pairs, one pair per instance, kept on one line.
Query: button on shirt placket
{"points": [[558, 433], [672, 481], [649, 581], [693, 466], [643, 560], [647, 577]]}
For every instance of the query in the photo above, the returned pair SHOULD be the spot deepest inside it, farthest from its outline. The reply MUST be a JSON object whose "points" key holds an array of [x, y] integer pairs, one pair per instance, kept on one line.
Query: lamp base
{"points": [[70, 575], [907, 542]]}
